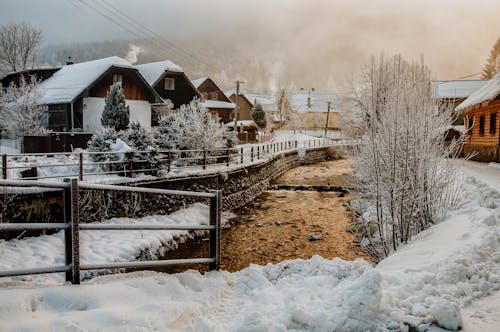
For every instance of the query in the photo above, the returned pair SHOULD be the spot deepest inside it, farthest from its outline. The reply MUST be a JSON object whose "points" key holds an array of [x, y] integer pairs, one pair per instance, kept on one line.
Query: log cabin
{"points": [[481, 110], [74, 95], [214, 100], [170, 82]]}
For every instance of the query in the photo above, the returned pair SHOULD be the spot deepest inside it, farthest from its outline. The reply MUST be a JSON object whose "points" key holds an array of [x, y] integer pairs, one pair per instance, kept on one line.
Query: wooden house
{"points": [[74, 95], [170, 82], [247, 100], [481, 110], [40, 74], [213, 99], [247, 130], [310, 109]]}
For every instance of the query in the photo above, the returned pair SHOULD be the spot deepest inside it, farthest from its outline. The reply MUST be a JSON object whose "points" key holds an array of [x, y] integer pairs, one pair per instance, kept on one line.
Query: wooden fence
{"points": [[72, 226]]}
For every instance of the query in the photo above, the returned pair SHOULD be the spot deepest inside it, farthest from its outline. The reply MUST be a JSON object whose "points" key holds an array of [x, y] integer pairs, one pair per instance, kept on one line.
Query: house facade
{"points": [[247, 100], [309, 110], [39, 74], [74, 95], [170, 82], [482, 125], [214, 99]]}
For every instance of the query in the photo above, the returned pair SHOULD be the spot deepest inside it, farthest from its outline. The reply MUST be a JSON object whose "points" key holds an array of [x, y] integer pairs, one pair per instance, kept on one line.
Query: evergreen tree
{"points": [[101, 142], [137, 137], [259, 116], [116, 113], [493, 64]]}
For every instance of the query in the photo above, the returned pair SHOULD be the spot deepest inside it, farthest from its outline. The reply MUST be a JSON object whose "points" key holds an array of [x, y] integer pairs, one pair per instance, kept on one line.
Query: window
{"points": [[481, 125], [169, 84], [493, 123], [117, 78], [470, 124]]}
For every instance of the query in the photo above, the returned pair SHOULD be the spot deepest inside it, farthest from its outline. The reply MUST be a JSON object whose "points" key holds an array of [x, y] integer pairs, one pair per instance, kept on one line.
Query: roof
{"points": [[154, 70], [218, 104], [72, 80], [244, 123], [318, 103], [487, 92], [199, 81], [456, 89], [267, 101]]}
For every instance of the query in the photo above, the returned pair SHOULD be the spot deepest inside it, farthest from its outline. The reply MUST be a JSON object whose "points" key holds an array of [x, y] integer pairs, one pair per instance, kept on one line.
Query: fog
{"points": [[272, 43]]}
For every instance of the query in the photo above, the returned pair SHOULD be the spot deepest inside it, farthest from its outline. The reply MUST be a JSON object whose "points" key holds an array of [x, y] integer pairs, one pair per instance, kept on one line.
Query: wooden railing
{"points": [[72, 226]]}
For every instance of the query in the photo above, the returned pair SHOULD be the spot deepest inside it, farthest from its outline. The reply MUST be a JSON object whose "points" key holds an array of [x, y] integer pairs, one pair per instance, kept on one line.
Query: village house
{"points": [[452, 93], [170, 82], [481, 110], [310, 109], [214, 100], [74, 95], [39, 74], [247, 100]]}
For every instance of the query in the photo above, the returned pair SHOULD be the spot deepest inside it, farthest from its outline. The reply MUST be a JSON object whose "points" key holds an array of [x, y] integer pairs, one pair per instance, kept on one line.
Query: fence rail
{"points": [[83, 165], [72, 226]]}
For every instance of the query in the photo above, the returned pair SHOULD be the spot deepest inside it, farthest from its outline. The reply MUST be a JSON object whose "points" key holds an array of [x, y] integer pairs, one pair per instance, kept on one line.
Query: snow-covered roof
{"points": [[487, 92], [218, 104], [267, 101], [244, 123], [318, 104], [199, 81], [154, 70], [457, 88], [71, 80]]}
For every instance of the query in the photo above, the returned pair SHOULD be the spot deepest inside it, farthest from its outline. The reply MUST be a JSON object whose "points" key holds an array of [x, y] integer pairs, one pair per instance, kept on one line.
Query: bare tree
{"points": [[19, 44], [406, 180]]}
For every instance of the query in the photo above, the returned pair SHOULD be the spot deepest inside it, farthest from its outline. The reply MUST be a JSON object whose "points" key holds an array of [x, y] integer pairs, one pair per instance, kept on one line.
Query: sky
{"points": [[306, 42]]}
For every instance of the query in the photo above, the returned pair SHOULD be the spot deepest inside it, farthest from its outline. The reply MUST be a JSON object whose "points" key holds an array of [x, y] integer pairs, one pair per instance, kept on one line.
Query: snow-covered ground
{"points": [[446, 275]]}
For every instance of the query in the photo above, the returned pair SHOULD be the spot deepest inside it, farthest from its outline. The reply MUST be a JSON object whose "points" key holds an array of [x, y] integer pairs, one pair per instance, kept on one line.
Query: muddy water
{"points": [[288, 224]]}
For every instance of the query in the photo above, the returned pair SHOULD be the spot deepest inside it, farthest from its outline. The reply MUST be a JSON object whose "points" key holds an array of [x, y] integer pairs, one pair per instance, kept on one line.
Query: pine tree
{"points": [[493, 64], [259, 116], [116, 113], [101, 142], [142, 142]]}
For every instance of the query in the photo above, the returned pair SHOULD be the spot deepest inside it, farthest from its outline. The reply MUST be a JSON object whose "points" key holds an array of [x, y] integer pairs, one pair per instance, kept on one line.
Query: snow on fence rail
{"points": [[72, 226], [86, 165]]}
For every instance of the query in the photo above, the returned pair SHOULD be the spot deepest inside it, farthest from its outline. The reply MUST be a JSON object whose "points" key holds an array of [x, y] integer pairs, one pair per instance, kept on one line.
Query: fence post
{"points": [[227, 153], [204, 159], [80, 167], [258, 152], [67, 232], [241, 155], [215, 235], [251, 154], [296, 144], [281, 146], [4, 166], [267, 147], [75, 231], [169, 161], [130, 156]]}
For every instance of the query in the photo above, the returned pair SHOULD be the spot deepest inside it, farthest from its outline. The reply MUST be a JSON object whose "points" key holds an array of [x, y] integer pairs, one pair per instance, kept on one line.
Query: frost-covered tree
{"points": [[158, 111], [258, 115], [102, 142], [19, 44], [141, 142], [116, 113], [405, 180], [192, 127], [493, 63], [20, 110]]}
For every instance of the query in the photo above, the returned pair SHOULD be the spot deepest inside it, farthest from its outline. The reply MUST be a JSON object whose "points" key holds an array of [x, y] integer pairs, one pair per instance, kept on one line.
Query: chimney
{"points": [[69, 62]]}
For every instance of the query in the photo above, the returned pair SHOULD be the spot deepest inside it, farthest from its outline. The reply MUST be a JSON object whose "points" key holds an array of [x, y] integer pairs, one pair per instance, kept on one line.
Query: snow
{"points": [[489, 91], [318, 102], [457, 88], [244, 123], [267, 101], [72, 80], [425, 284], [10, 146], [218, 104], [154, 70]]}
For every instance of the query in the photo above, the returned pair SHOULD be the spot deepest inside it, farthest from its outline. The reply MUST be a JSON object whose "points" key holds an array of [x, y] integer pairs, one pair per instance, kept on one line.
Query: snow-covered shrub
{"points": [[141, 142], [259, 116], [192, 127], [115, 113], [20, 110], [405, 181]]}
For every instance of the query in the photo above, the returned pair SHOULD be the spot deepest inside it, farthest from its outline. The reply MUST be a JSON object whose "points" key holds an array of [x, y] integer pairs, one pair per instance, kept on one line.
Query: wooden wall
{"points": [[133, 87], [486, 139], [184, 91]]}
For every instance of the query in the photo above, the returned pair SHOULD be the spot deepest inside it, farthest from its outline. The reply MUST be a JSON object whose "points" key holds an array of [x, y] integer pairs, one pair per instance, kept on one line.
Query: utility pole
{"points": [[238, 82], [327, 117]]}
